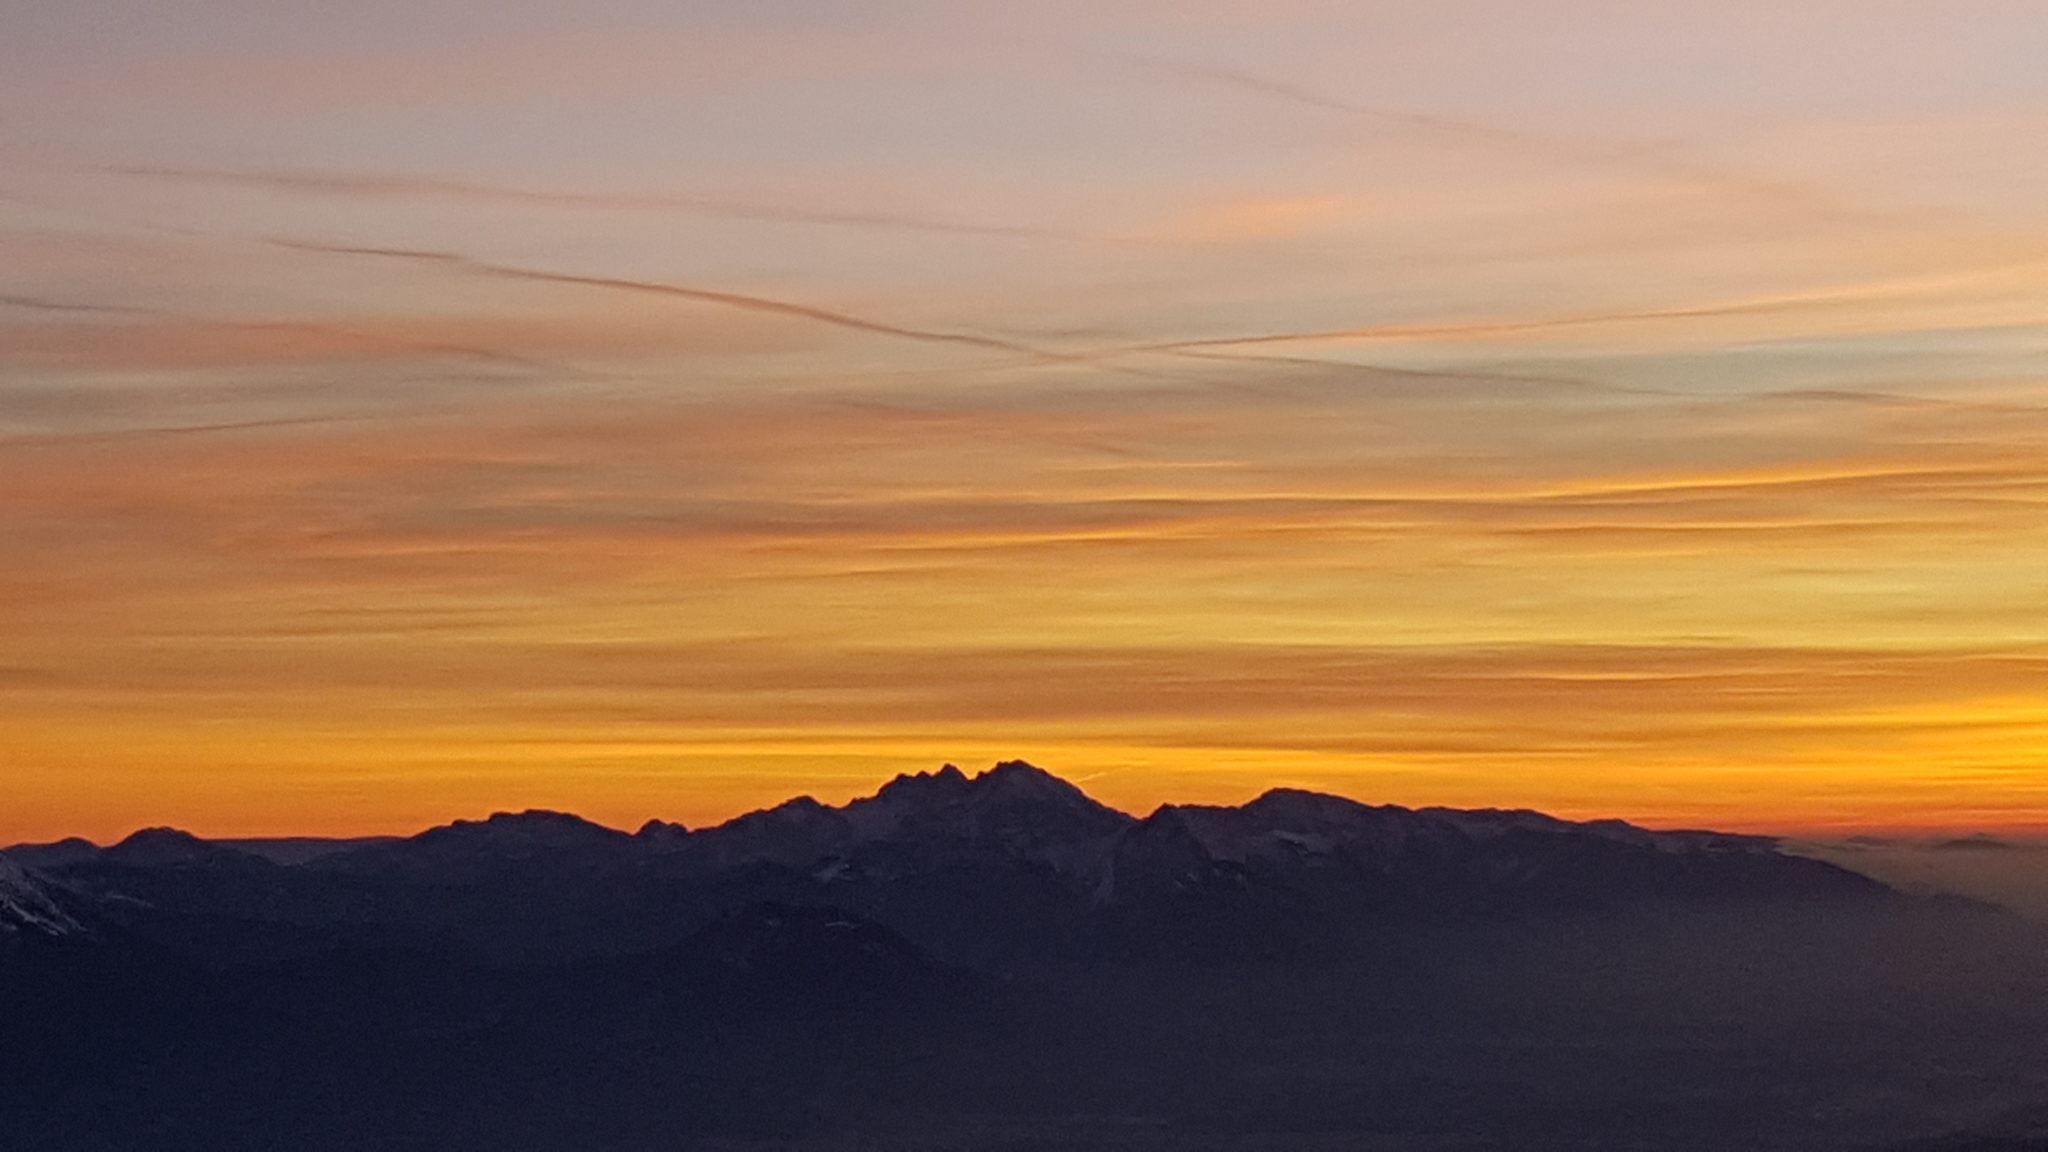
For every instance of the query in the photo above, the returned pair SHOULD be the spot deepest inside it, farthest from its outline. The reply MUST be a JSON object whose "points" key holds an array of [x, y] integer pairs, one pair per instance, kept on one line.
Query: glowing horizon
{"points": [[425, 410]]}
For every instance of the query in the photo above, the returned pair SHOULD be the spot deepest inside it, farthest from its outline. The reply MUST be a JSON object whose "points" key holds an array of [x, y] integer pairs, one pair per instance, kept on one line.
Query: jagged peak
{"points": [[945, 787], [1010, 793], [1023, 776], [805, 807], [946, 781], [1175, 815]]}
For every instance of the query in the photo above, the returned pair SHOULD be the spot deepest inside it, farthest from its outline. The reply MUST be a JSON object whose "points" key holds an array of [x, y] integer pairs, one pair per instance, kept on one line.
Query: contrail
{"points": [[1500, 327], [1294, 93], [433, 347], [737, 300], [38, 304], [117, 434], [1177, 347]]}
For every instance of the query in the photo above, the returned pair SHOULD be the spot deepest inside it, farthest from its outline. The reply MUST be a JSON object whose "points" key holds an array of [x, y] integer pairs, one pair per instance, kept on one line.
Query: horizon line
{"points": [[1918, 834]]}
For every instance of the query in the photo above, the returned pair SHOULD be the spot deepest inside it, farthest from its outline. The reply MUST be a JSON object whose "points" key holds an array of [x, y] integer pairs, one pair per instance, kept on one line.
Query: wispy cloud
{"points": [[424, 188], [171, 339], [1658, 160], [684, 576]]}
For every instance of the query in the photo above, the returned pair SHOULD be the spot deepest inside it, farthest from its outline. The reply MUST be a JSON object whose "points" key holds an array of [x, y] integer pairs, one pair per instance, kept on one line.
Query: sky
{"points": [[411, 410]]}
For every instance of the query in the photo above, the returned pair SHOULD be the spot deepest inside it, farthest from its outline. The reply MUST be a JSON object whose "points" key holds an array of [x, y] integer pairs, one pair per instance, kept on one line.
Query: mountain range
{"points": [[946, 858], [997, 960]]}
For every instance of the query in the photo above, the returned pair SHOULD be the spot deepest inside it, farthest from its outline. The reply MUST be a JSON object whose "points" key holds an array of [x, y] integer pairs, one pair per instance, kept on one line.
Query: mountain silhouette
{"points": [[1008, 866], [167, 848], [997, 960]]}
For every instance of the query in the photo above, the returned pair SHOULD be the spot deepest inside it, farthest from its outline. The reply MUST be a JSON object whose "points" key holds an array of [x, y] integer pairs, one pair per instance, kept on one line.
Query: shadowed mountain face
{"points": [[29, 908], [999, 961]]}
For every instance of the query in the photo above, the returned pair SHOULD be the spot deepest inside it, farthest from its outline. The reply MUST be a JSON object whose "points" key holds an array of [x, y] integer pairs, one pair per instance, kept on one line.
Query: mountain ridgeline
{"points": [[963, 864], [996, 960]]}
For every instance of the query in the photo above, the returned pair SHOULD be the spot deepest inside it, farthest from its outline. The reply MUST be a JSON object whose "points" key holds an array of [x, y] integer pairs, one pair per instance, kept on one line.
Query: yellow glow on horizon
{"points": [[663, 421]]}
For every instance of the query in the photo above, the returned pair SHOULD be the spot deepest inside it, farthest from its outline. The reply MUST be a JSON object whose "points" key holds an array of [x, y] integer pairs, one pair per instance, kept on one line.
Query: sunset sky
{"points": [[414, 409]]}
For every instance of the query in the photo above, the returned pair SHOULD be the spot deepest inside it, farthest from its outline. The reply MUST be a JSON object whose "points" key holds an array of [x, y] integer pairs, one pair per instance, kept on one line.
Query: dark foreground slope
{"points": [[1000, 962]]}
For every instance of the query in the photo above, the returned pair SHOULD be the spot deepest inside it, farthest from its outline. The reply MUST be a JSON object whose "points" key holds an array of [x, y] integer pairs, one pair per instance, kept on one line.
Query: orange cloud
{"points": [[1737, 617], [1258, 218]]}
